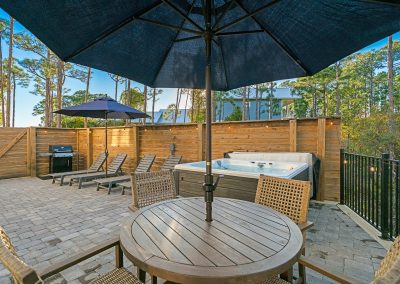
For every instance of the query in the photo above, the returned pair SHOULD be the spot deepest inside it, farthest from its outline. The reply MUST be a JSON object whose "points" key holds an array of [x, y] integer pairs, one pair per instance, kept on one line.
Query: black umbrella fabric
{"points": [[161, 43], [103, 108], [210, 44]]}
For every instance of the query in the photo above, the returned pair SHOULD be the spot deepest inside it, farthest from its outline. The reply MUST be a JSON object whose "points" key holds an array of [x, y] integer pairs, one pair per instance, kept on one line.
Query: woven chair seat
{"points": [[117, 276]]}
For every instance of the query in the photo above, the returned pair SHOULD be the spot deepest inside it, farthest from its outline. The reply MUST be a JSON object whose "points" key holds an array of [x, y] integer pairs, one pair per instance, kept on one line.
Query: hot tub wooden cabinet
{"points": [[190, 183]]}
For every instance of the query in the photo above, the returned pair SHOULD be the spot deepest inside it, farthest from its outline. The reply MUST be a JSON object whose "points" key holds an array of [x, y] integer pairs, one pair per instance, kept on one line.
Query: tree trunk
{"points": [[257, 102], [390, 96], [3, 115], [187, 97], [128, 98], [192, 110], [153, 105], [13, 99], [314, 104], [337, 96], [325, 101], [116, 87], [89, 73], [144, 103], [177, 101], [9, 71], [60, 83], [47, 99], [244, 103], [271, 95]]}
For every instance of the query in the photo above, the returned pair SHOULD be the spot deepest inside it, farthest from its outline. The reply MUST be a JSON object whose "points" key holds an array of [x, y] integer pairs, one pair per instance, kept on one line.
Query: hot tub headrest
{"points": [[276, 156]]}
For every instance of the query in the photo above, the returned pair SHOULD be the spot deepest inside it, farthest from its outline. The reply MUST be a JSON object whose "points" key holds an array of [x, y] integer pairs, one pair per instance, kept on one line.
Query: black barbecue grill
{"points": [[60, 158]]}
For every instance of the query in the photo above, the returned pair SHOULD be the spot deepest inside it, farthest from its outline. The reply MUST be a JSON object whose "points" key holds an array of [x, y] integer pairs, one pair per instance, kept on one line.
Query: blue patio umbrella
{"points": [[207, 44], [103, 108]]}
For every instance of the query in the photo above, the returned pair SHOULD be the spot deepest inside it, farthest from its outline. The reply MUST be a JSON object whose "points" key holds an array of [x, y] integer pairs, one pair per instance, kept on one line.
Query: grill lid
{"points": [[60, 149]]}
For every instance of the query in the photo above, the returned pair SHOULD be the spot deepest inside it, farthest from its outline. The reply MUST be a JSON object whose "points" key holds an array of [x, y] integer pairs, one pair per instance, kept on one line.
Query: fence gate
{"points": [[14, 152]]}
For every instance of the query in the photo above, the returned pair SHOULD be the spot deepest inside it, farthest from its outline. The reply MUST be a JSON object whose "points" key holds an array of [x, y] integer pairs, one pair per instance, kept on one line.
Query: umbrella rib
{"points": [[170, 26], [248, 15], [286, 49], [172, 44], [110, 31], [186, 17], [239, 33], [223, 14]]}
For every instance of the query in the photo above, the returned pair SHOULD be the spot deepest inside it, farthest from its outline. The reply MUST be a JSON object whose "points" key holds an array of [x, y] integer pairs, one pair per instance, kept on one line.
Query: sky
{"points": [[100, 83]]}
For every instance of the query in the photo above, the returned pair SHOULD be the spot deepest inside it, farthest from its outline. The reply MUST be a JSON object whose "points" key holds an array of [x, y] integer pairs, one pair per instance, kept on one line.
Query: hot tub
{"points": [[240, 176]]}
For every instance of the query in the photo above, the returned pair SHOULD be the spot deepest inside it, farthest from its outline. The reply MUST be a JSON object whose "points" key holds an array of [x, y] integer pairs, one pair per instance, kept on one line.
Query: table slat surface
{"points": [[244, 242]]}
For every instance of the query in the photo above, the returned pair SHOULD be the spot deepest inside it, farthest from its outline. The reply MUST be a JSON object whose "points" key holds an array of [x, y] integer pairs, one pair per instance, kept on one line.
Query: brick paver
{"points": [[48, 223]]}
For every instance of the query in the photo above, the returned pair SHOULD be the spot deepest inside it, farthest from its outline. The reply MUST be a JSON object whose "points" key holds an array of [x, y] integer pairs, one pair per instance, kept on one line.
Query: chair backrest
{"points": [[145, 164], [290, 197], [389, 269], [152, 187], [171, 162], [98, 163], [117, 163], [20, 271]]}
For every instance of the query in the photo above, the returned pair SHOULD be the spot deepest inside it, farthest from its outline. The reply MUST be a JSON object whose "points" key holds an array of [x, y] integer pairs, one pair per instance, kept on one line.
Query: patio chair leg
{"points": [[54, 180], [123, 191], [61, 181], [141, 275], [302, 269], [98, 187], [70, 182], [288, 275], [80, 184], [119, 257], [109, 188]]}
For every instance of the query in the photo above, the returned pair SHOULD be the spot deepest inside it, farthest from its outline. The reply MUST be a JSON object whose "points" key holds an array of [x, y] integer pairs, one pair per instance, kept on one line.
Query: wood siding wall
{"points": [[319, 136]]}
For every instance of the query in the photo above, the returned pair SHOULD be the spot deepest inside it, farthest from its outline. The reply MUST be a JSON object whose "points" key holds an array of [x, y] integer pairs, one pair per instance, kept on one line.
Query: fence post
{"points": [[385, 196], [342, 176]]}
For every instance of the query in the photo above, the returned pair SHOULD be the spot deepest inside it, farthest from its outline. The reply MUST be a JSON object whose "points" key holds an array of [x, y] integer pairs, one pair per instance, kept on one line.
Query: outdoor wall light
{"points": [[345, 161], [372, 169]]}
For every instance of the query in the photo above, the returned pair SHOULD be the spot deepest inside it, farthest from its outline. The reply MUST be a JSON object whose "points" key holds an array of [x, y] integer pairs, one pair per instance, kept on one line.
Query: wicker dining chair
{"points": [[152, 187], [24, 274], [387, 273], [289, 197]]}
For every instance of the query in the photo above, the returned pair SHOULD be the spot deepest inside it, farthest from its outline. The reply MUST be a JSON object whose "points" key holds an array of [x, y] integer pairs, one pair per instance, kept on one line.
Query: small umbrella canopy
{"points": [[211, 44], [103, 108]]}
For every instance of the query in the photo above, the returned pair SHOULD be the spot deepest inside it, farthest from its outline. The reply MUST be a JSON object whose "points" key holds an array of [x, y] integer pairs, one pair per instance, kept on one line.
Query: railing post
{"points": [[342, 176], [385, 196]]}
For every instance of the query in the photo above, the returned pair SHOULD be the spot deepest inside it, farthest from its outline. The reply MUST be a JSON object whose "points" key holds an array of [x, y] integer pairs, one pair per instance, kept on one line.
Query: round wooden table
{"points": [[245, 242]]}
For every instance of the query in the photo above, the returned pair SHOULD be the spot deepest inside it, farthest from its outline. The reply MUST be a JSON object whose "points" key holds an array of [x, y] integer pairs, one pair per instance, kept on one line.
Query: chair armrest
{"points": [[305, 226], [322, 269], [71, 261]]}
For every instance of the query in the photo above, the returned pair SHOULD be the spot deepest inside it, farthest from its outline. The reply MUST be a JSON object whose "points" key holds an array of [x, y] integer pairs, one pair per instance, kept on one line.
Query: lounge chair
{"points": [[169, 164], [113, 170], [144, 166], [95, 167]]}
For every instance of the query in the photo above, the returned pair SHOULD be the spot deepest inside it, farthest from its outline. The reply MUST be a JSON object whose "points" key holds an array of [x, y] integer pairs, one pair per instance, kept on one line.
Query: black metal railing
{"points": [[370, 187]]}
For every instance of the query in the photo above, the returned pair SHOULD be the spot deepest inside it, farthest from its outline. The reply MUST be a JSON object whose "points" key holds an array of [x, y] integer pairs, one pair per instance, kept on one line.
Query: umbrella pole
{"points": [[106, 151], [208, 178]]}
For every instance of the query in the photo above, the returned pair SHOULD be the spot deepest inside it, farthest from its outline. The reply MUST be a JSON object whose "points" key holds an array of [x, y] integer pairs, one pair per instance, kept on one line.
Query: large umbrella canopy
{"points": [[211, 44], [103, 108], [160, 42]]}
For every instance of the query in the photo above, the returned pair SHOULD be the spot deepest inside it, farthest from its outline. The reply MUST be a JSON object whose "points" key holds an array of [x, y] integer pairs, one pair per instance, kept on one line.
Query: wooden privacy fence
{"points": [[321, 136]]}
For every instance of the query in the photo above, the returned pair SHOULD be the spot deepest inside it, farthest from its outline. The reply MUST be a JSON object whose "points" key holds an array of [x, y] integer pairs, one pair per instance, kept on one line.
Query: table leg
{"points": [[141, 275], [153, 280]]}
